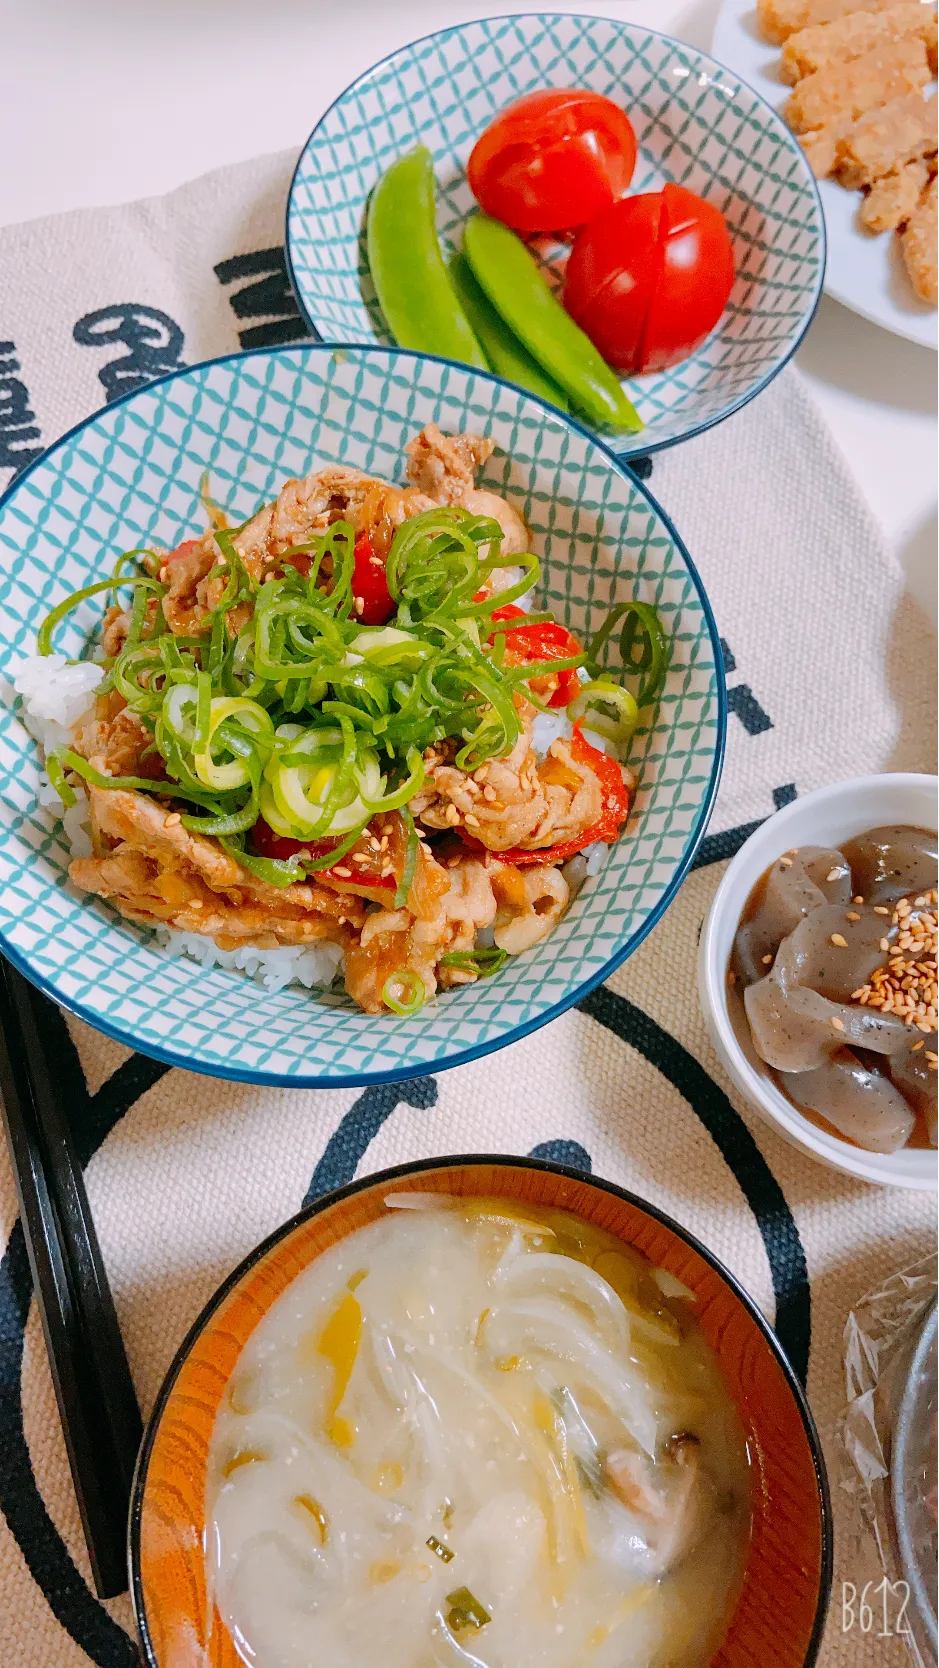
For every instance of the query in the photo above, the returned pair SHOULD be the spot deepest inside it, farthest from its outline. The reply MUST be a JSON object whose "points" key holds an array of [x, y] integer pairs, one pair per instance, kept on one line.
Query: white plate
{"points": [[864, 273]]}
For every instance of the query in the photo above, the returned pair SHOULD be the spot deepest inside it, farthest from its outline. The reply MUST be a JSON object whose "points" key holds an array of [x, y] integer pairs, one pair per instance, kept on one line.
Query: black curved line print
{"points": [[570, 1153], [784, 1248], [347, 1145]]}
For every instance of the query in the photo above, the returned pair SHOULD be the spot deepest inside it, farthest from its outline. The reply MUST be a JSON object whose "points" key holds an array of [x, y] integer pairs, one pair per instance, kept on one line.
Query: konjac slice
{"points": [[793, 1029], [862, 1104], [891, 863], [801, 1012], [914, 1075], [796, 884]]}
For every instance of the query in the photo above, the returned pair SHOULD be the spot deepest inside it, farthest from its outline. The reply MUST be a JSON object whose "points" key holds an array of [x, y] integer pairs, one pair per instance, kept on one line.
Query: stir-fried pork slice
{"points": [[397, 940], [531, 903], [115, 740], [157, 871], [442, 470], [301, 510], [513, 802], [444, 466]]}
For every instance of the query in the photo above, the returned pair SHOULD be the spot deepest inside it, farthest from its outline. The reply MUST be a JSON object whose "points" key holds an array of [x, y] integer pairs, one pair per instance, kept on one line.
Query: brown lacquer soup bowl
{"points": [[782, 1597]]}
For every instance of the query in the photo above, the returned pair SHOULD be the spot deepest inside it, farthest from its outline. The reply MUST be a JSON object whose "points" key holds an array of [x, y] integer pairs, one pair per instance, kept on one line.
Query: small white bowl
{"points": [[825, 817]]}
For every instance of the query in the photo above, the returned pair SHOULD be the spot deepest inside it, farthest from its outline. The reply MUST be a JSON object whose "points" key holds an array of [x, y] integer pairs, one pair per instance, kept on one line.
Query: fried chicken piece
{"points": [[919, 247], [826, 44], [514, 801], [157, 871], [851, 89], [892, 200], [779, 19], [444, 466], [884, 140], [821, 146]]}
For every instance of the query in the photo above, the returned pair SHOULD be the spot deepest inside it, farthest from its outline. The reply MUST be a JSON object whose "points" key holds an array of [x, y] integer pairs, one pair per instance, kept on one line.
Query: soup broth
{"points": [[473, 1434]]}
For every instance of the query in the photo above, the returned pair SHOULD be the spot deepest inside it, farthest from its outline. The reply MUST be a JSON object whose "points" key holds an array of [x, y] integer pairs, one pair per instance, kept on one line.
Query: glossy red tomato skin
{"points": [[650, 277], [553, 159], [696, 278], [611, 276]]}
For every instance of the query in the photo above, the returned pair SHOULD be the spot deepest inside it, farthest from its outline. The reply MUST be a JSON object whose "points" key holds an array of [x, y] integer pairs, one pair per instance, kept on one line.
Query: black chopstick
{"points": [[95, 1392]]}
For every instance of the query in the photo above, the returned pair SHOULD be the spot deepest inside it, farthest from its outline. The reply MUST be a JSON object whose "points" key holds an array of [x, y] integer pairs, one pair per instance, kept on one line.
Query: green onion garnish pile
{"points": [[305, 717]]}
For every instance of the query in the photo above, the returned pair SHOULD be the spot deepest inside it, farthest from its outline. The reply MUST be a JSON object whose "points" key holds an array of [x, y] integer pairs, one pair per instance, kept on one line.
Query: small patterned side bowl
{"points": [[130, 476], [696, 124], [781, 1609]]}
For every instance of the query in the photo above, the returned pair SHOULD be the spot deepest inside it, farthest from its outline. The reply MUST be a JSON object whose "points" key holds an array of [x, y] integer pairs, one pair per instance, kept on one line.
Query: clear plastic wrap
{"points": [[888, 1438]]}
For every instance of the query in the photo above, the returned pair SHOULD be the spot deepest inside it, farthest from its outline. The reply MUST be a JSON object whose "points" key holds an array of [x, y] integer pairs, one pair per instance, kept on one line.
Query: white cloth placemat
{"points": [[830, 671]]}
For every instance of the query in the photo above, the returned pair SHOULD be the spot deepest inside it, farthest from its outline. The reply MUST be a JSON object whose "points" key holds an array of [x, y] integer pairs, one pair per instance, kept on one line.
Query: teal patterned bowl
{"points": [[130, 476], [696, 124]]}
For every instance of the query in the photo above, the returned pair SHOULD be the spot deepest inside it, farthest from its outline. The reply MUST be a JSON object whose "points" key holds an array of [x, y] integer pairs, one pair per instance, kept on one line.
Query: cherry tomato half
{"points": [[553, 159], [649, 278]]}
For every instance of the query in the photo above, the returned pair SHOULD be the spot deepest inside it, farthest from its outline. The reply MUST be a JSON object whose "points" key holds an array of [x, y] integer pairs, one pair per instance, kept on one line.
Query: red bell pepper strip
{"points": [[368, 879], [372, 599], [607, 826], [545, 640], [268, 844], [181, 550]]}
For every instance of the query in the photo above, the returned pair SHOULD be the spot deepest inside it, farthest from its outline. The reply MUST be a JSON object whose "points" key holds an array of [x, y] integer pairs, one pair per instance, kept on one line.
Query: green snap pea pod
{"points": [[510, 276], [506, 354], [408, 271]]}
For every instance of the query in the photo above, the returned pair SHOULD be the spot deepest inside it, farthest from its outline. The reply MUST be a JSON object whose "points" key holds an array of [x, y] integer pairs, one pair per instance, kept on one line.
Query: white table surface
{"points": [[115, 99]]}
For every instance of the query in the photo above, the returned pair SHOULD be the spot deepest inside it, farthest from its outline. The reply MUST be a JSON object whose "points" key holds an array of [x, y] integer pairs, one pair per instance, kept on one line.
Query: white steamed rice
{"points": [[314, 966]]}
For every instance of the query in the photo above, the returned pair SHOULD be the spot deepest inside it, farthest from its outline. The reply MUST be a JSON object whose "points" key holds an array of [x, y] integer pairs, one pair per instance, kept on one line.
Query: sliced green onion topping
{"points": [[44, 634], [57, 780], [403, 891], [607, 709], [642, 630], [465, 1610], [483, 962], [443, 1552], [404, 992]]}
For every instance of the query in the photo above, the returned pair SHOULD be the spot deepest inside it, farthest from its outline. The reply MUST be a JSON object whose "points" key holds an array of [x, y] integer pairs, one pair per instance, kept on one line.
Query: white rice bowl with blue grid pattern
{"points": [[131, 477], [697, 124]]}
